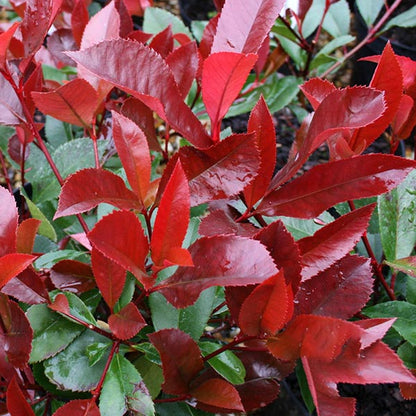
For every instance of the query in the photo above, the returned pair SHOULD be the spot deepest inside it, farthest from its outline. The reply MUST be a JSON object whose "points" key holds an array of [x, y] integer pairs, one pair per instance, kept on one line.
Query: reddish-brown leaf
{"points": [[120, 237], [16, 401], [243, 29], [103, 186], [181, 359], [267, 308], [72, 276], [8, 222], [333, 241], [162, 42], [5, 39], [316, 90], [223, 76], [338, 181], [232, 267], [13, 264], [61, 304], [133, 150], [221, 171], [116, 61], [172, 221], [340, 292], [11, 111], [85, 407], [126, 323], [26, 233], [79, 20], [261, 123], [75, 102], [208, 37], [408, 390]]}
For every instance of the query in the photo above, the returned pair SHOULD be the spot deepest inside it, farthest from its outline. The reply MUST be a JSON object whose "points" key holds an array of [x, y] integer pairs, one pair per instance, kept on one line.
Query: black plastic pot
{"points": [[195, 10]]}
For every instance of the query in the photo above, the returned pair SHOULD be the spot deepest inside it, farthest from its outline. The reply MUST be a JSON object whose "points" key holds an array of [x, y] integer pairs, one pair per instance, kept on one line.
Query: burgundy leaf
{"points": [[116, 61], [181, 359], [5, 39], [333, 241], [26, 233], [126, 22], [221, 171], [72, 276], [75, 102], [235, 297], [11, 111], [171, 222], [84, 407], [13, 264], [316, 90], [243, 29], [162, 42], [232, 267], [340, 292], [208, 37], [16, 401], [258, 393], [103, 186], [59, 41], [61, 304], [79, 20], [126, 323], [342, 180], [223, 76], [133, 150], [8, 222], [128, 246]]}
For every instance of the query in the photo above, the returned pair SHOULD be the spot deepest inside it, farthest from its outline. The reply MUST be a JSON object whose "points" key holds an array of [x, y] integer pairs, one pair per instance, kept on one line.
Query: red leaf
{"points": [[333, 241], [408, 390], [72, 276], [403, 122], [340, 292], [16, 337], [261, 123], [127, 322], [342, 180], [26, 233], [13, 264], [184, 63], [126, 22], [208, 37], [232, 267], [11, 111], [316, 90], [120, 237], [162, 42], [8, 222], [5, 39], [223, 76], [16, 401], [110, 277], [132, 148], [243, 29], [218, 393], [85, 407], [258, 393], [79, 20], [181, 359], [61, 40], [75, 102], [103, 186], [172, 220], [116, 61], [267, 308], [221, 171], [61, 304]]}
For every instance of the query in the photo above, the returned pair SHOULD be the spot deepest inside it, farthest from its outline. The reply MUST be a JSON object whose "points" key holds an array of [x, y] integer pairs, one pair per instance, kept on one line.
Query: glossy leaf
{"points": [[13, 264], [103, 186], [340, 291], [162, 42], [11, 109], [326, 185], [126, 323], [406, 265], [26, 233], [223, 76], [181, 359], [128, 247], [74, 102], [5, 39], [72, 276], [116, 61], [79, 20], [81, 407], [133, 150], [16, 401], [231, 268], [222, 171], [333, 241], [171, 222], [8, 222], [243, 29], [316, 90]]}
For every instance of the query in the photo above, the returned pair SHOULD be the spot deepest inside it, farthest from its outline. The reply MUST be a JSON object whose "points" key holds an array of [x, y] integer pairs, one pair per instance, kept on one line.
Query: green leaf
{"points": [[152, 375], [313, 17], [407, 353], [298, 55], [49, 259], [411, 290], [150, 352], [337, 21], [406, 265], [197, 27], [304, 387], [369, 10], [51, 332], [96, 351], [397, 219], [124, 390], [155, 20], [54, 74], [405, 19], [78, 308], [335, 44], [179, 409], [227, 364], [55, 132], [281, 29], [71, 370]]}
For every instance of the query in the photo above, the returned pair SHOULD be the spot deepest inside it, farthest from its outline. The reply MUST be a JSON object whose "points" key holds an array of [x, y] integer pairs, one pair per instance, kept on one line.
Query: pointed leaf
{"points": [[340, 292], [26, 233], [11, 111], [8, 222], [84, 407], [232, 267], [13, 264], [406, 265], [5, 39], [333, 241], [79, 20], [128, 247], [133, 150], [223, 76], [72, 276], [181, 359], [103, 186], [16, 401], [172, 220], [221, 171], [74, 102], [316, 90], [243, 29], [326, 185], [126, 323], [116, 61], [162, 42]]}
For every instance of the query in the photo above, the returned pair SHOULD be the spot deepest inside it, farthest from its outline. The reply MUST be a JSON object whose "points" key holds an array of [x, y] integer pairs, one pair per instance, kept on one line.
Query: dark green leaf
{"points": [[407, 352]]}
